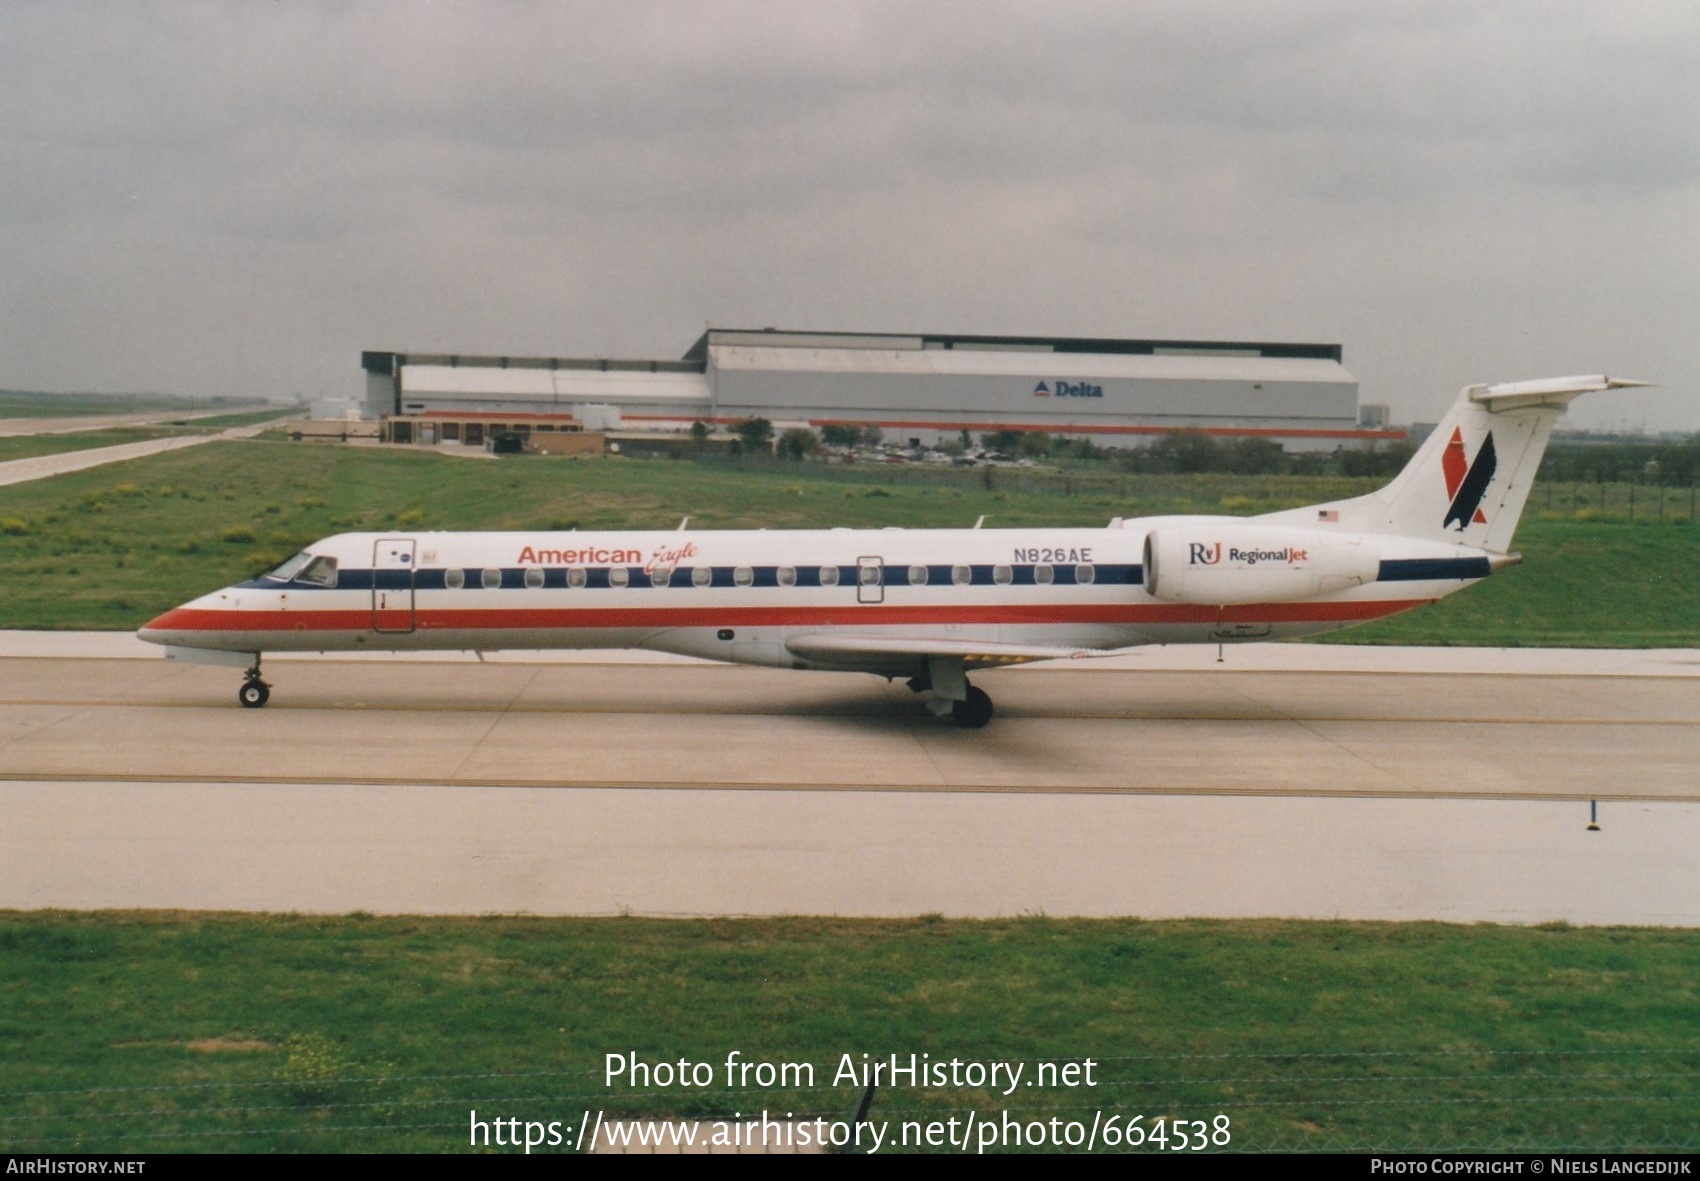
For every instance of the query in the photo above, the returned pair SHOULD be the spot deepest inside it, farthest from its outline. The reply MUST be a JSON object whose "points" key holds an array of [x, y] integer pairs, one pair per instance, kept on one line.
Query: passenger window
{"points": [[1003, 575], [786, 576], [743, 576], [829, 575], [534, 578], [868, 575], [961, 575], [575, 576], [660, 577], [701, 575], [319, 572], [917, 576], [454, 579], [1084, 574], [491, 579], [618, 576], [1042, 575]]}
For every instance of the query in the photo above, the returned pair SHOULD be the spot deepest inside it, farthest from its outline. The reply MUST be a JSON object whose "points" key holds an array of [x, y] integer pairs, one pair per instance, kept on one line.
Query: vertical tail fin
{"points": [[1469, 480]]}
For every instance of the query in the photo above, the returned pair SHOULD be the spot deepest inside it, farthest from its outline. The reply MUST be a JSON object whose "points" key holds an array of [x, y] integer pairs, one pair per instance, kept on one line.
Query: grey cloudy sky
{"points": [[239, 197]]}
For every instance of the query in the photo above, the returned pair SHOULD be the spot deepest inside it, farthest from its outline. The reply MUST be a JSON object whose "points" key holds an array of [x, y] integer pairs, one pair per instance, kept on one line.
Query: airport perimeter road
{"points": [[673, 788]]}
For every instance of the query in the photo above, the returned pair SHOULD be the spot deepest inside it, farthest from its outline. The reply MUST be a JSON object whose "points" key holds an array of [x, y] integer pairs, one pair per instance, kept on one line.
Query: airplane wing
{"points": [[882, 651]]}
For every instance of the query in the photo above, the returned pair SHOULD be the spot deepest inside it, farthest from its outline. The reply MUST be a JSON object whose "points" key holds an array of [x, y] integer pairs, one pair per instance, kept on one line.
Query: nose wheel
{"points": [[254, 692]]}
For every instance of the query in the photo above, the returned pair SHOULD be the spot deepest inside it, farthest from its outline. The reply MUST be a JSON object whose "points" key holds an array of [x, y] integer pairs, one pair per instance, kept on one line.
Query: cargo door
{"points": [[392, 585]]}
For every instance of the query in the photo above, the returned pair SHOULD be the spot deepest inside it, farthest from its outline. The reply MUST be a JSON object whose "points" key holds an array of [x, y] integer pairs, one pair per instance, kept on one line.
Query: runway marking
{"points": [[1578, 797]]}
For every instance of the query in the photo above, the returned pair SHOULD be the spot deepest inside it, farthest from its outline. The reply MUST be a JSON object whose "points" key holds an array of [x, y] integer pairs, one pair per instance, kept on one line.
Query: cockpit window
{"points": [[321, 571], [290, 568]]}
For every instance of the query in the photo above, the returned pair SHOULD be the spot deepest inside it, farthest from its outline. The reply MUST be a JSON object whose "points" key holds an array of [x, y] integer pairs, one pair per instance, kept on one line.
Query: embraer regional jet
{"points": [[929, 605]]}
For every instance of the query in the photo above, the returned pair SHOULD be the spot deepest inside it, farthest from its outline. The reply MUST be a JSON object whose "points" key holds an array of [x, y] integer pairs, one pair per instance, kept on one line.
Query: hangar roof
{"points": [[903, 353], [906, 342]]}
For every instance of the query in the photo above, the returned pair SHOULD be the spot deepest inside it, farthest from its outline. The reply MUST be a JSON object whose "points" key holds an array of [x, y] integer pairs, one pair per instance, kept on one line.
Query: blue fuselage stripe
{"points": [[893, 575], [1431, 569]]}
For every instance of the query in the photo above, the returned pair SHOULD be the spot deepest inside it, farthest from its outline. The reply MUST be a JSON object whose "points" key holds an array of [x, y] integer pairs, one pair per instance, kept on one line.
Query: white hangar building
{"points": [[922, 387]]}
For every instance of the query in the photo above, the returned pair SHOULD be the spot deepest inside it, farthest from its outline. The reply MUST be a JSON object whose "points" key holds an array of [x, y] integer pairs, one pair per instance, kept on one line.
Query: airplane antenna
{"points": [[1218, 651], [981, 521], [683, 521]]}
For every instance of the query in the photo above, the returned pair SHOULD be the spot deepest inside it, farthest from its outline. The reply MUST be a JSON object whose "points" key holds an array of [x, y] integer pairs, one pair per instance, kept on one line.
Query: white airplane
{"points": [[926, 604]]}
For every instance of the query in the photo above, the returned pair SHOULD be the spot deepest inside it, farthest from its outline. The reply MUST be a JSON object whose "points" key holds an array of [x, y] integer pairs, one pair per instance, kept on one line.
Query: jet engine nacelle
{"points": [[1225, 565]]}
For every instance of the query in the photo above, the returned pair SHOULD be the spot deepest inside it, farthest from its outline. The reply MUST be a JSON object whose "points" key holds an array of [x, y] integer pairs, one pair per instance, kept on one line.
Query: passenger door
{"points": [[392, 585]]}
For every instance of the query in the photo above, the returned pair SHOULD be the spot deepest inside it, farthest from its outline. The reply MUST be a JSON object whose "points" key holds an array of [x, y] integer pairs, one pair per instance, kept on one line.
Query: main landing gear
{"points": [[973, 711], [968, 707], [254, 692]]}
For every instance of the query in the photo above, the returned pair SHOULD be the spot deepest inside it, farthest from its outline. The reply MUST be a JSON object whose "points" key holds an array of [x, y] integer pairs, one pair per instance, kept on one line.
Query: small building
{"points": [[330, 430], [553, 434]]}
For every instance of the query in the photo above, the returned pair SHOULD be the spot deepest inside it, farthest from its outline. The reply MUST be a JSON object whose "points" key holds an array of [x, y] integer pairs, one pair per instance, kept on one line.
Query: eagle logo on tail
{"points": [[1467, 482]]}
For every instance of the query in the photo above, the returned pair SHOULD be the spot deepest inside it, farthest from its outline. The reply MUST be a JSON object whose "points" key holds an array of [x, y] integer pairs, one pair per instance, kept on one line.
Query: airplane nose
{"points": [[159, 629]]}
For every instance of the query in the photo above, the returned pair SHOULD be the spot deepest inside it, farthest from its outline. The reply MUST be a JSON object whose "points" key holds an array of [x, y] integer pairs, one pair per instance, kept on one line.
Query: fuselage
{"points": [[744, 595]]}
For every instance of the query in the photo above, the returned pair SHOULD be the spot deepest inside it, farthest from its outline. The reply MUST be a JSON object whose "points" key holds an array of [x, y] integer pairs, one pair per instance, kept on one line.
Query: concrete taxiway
{"points": [[39, 467], [76, 423], [1156, 784]]}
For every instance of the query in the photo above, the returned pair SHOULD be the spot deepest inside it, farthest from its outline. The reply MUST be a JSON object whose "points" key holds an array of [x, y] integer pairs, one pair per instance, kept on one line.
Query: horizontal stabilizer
{"points": [[1549, 391]]}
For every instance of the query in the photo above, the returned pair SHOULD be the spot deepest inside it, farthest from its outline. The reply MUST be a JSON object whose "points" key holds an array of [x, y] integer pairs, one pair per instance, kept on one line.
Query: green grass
{"points": [[1582, 584], [114, 546], [166, 1032]]}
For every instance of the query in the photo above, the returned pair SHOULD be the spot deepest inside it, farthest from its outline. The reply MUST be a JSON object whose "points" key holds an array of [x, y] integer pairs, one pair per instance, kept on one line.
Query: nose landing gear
{"points": [[254, 692]]}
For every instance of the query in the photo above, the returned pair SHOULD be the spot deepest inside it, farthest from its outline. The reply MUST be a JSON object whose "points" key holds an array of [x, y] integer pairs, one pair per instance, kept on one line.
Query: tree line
{"points": [[1185, 452]]}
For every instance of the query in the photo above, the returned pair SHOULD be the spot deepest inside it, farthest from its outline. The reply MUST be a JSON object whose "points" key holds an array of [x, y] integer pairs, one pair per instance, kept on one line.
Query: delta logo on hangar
{"points": [[1069, 389]]}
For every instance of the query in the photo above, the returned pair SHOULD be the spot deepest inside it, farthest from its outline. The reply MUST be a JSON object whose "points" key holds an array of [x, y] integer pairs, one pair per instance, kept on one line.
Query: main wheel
{"points": [[253, 694], [973, 713]]}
